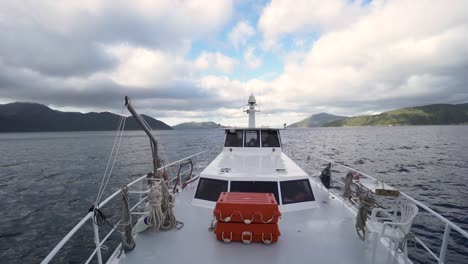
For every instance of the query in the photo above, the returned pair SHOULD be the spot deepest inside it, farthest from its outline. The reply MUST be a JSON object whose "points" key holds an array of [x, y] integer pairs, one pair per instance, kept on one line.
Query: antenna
{"points": [[258, 101], [243, 101]]}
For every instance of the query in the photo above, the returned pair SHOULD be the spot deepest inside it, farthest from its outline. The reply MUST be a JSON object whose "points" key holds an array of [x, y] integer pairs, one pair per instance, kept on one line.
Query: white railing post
{"points": [[443, 248], [96, 241]]}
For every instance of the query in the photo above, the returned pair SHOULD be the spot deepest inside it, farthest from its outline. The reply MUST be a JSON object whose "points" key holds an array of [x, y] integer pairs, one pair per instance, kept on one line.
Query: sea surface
{"points": [[49, 180]]}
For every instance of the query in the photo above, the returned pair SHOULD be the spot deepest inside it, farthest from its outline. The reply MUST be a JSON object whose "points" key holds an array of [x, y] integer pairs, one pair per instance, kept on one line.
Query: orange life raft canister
{"points": [[247, 217]]}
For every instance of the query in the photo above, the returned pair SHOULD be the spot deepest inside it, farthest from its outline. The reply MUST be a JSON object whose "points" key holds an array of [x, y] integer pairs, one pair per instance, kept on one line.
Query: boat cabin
{"points": [[252, 161], [252, 138]]}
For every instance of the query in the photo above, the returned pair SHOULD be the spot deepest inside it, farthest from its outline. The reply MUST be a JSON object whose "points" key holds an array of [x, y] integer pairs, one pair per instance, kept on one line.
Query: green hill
{"points": [[316, 120], [436, 114], [32, 117], [196, 125]]}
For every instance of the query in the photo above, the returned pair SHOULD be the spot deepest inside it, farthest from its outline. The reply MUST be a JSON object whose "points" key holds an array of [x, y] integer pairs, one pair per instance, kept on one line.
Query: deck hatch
{"points": [[296, 191], [210, 189]]}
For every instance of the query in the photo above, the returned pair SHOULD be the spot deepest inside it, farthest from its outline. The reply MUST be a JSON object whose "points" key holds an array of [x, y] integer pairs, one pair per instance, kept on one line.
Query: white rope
{"points": [[167, 207], [161, 203], [112, 157], [115, 159], [156, 216], [146, 123]]}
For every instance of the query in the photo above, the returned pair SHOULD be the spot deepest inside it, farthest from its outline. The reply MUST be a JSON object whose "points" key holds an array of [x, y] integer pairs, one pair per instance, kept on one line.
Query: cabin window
{"points": [[233, 138], [296, 191], [270, 139], [255, 187], [251, 138], [210, 189]]}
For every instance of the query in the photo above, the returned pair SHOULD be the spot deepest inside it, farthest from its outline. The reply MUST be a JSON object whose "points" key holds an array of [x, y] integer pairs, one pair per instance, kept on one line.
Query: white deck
{"points": [[324, 234]]}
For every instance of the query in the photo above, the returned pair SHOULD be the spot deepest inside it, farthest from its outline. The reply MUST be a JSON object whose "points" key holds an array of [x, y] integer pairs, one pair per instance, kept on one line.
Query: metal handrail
{"points": [[112, 231], [89, 215], [449, 225]]}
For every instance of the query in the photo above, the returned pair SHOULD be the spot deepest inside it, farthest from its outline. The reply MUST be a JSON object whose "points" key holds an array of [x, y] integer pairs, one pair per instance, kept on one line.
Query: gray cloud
{"points": [[55, 40], [19, 85], [91, 55], [57, 54]]}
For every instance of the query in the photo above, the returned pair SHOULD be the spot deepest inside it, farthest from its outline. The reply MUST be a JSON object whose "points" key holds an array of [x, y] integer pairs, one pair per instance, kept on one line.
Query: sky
{"points": [[200, 60]]}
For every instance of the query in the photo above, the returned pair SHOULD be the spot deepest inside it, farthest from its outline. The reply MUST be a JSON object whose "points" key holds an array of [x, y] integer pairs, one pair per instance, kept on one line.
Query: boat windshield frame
{"points": [[232, 139]]}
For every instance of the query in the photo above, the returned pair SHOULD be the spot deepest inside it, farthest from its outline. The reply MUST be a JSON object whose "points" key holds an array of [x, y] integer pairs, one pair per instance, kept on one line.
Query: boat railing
{"points": [[306, 162], [200, 160]]}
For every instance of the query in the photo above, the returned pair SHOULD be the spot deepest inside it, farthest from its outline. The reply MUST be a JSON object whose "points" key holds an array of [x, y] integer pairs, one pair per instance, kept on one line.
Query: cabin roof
{"points": [[253, 164], [253, 128]]}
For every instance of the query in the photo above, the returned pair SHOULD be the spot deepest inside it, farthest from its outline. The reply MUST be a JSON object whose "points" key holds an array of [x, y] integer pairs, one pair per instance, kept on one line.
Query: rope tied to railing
{"points": [[125, 226], [407, 239], [347, 188], [325, 176], [366, 203], [156, 215], [161, 203]]}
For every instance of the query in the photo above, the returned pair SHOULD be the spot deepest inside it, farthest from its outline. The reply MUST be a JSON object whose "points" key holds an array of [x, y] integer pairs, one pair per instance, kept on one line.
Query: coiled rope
{"points": [[161, 203], [325, 176], [156, 216], [366, 204], [347, 188], [125, 226]]}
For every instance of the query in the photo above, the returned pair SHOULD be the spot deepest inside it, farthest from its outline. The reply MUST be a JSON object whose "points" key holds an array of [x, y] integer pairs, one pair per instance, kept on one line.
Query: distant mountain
{"points": [[464, 106], [436, 114], [196, 125], [32, 117], [316, 120]]}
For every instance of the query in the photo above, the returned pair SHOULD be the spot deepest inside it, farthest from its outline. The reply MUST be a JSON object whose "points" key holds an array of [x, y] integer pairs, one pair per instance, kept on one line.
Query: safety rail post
{"points": [[443, 248], [96, 241]]}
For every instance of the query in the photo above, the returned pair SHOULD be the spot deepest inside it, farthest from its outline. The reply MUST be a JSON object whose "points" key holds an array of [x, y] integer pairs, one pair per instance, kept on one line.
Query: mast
{"points": [[144, 126], [251, 111]]}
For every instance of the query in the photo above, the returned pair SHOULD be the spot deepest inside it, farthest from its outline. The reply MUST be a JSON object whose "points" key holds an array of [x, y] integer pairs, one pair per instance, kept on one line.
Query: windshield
{"points": [[296, 191], [233, 138]]}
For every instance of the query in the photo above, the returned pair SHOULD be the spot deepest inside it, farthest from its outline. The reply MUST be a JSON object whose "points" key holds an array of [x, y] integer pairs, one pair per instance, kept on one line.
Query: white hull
{"points": [[317, 226], [324, 233]]}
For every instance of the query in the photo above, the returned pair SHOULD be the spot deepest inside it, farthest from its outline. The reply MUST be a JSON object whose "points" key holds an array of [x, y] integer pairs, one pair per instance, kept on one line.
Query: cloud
{"points": [[252, 61], [241, 33], [144, 67], [64, 38], [361, 58], [281, 17], [89, 55], [215, 61], [396, 55]]}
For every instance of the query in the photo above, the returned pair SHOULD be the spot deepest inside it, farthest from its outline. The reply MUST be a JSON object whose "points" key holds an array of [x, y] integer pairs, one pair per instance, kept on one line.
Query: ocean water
{"points": [[49, 180]]}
